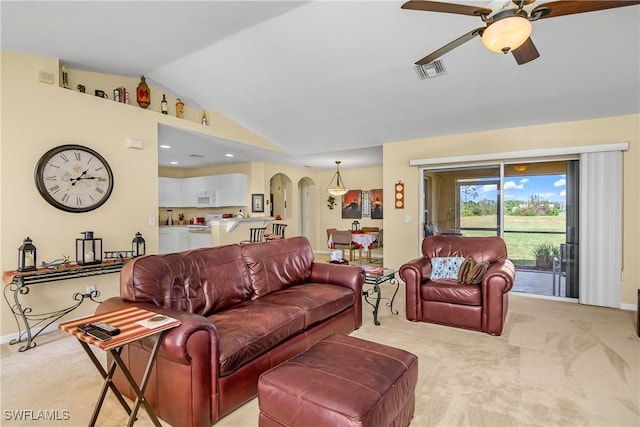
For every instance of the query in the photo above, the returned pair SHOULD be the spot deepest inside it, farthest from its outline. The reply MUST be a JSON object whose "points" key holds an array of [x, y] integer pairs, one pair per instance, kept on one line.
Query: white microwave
{"points": [[207, 199]]}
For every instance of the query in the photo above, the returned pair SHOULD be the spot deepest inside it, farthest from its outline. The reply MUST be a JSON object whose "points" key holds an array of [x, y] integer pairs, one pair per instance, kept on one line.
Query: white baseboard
{"points": [[630, 307], [6, 339]]}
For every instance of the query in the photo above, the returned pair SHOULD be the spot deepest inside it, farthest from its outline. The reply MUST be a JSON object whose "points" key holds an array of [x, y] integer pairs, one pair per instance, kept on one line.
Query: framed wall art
{"points": [[257, 203], [376, 204], [352, 204]]}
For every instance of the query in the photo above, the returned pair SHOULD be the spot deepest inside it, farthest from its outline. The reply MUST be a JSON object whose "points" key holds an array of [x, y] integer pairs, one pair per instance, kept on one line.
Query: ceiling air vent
{"points": [[430, 70]]}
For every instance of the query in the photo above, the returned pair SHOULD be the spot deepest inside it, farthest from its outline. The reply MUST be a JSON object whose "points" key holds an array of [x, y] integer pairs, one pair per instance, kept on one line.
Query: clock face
{"points": [[74, 178]]}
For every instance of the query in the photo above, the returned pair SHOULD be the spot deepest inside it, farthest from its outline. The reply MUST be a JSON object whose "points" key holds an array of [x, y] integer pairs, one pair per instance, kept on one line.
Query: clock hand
{"points": [[74, 180]]}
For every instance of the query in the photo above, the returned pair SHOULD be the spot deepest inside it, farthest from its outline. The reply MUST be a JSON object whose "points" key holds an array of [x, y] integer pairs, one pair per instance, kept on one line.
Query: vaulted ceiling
{"points": [[334, 80]]}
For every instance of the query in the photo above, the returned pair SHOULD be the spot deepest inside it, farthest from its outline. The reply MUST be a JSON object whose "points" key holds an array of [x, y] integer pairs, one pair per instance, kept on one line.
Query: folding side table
{"points": [[134, 324]]}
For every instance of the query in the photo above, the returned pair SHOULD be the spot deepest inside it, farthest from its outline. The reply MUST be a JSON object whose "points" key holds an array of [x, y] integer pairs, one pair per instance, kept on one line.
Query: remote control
{"points": [[94, 332], [98, 334], [106, 328]]}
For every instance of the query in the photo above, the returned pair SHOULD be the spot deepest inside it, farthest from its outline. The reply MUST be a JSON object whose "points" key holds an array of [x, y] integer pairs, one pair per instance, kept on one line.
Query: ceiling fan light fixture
{"points": [[506, 34], [336, 185]]}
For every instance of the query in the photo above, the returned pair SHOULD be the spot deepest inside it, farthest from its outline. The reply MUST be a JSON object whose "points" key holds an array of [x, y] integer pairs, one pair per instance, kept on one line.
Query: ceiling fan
{"points": [[508, 23]]}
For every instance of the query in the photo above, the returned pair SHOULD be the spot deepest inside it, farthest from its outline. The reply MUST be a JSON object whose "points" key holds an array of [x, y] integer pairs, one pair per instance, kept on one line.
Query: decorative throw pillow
{"points": [[445, 267], [471, 272]]}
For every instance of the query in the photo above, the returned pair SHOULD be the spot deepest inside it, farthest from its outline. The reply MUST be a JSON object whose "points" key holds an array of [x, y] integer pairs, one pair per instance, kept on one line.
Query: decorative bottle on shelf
{"points": [[204, 118], [65, 76], [143, 94], [164, 105], [170, 218], [179, 109]]}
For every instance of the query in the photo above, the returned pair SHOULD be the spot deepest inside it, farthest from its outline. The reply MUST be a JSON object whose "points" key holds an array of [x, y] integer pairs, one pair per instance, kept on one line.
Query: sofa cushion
{"points": [[319, 301], [278, 264], [249, 330], [201, 281], [451, 291]]}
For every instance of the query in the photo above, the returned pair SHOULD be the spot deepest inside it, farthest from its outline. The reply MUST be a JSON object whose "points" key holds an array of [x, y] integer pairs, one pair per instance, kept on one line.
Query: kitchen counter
{"points": [[233, 230], [231, 223]]}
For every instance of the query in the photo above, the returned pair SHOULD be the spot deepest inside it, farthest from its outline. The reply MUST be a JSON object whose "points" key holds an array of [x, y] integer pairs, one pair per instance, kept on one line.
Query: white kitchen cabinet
{"points": [[233, 189], [170, 192], [200, 239], [174, 239], [224, 190]]}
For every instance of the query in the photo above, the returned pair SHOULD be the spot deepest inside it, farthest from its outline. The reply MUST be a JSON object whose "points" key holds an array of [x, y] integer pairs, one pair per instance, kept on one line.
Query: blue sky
{"points": [[547, 187]]}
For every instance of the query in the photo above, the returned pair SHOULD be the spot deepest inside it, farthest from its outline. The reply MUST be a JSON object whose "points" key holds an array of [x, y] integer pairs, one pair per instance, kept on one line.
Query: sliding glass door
{"points": [[531, 205]]}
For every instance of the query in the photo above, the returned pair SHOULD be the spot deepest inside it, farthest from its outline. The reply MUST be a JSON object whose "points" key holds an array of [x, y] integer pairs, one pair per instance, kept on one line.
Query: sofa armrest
{"points": [[349, 276], [181, 344], [414, 273]]}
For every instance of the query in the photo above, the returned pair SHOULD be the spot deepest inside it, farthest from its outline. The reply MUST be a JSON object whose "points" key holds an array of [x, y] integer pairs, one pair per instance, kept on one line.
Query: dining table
{"points": [[363, 239]]}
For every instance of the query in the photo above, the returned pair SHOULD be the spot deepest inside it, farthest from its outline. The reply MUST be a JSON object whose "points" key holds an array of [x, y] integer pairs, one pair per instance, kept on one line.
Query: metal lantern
{"points": [[88, 249], [355, 226], [27, 256], [138, 245]]}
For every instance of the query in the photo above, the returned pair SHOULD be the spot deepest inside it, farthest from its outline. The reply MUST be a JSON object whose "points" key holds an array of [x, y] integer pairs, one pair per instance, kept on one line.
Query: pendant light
{"points": [[337, 188]]}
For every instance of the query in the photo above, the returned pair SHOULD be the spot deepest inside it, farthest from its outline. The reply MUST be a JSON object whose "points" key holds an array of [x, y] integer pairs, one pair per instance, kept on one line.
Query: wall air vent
{"points": [[196, 155], [430, 70]]}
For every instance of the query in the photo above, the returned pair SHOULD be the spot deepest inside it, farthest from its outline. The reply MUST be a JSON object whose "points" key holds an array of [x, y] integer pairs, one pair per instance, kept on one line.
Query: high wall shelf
{"points": [[18, 283]]}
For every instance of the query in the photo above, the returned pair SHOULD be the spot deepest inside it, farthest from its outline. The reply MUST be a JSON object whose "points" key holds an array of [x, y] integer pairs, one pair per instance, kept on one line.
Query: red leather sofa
{"points": [[244, 309], [482, 307]]}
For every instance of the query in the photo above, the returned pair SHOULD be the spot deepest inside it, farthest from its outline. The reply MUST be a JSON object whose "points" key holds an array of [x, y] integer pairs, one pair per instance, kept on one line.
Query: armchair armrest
{"points": [[496, 283], [499, 277], [181, 344], [414, 273]]}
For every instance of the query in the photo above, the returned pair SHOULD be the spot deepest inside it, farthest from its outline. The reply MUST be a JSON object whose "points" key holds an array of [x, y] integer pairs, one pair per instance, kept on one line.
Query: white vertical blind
{"points": [[600, 228]]}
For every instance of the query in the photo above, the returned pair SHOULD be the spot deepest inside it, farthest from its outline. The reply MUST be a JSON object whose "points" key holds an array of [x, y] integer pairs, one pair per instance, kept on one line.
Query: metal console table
{"points": [[376, 278], [18, 283]]}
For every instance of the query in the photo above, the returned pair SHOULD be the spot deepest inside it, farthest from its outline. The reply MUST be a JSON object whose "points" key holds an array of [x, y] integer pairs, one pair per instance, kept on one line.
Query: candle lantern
{"points": [[138, 245], [355, 226], [88, 249], [27, 256]]}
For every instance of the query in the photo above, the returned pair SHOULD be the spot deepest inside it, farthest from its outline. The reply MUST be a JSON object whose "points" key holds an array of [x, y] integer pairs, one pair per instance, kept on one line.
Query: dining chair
{"points": [[256, 235], [370, 229], [342, 240], [376, 244]]}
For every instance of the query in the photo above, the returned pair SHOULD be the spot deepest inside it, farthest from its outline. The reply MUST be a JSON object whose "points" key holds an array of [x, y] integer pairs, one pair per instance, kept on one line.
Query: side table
{"points": [[375, 277], [18, 283], [134, 325]]}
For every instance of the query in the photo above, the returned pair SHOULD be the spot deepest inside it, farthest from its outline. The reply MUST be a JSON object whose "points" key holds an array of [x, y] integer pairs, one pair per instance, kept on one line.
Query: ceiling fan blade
{"points": [[527, 52], [565, 7], [436, 6], [450, 46]]}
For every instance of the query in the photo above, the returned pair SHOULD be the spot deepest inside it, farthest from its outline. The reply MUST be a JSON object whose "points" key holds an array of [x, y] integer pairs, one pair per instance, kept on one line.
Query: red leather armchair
{"points": [[482, 307]]}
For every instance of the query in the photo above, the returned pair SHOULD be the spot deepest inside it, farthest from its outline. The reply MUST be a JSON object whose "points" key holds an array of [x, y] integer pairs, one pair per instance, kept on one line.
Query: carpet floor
{"points": [[556, 364]]}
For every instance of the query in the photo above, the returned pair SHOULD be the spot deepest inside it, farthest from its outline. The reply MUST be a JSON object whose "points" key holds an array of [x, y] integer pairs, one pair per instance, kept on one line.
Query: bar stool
{"points": [[277, 231], [256, 235]]}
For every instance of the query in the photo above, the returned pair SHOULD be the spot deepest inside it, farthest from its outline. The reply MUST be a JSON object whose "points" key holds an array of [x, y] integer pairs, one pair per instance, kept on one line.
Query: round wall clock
{"points": [[74, 178]]}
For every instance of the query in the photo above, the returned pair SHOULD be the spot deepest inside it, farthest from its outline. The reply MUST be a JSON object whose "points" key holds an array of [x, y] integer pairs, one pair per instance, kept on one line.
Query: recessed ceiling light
{"points": [[165, 146], [174, 163], [228, 155]]}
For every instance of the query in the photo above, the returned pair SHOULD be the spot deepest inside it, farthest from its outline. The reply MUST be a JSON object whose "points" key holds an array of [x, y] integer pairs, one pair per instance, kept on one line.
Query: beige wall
{"points": [[405, 237]]}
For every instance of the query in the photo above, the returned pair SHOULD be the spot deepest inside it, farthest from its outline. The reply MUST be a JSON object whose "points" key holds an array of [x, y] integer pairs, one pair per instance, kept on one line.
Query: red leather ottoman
{"points": [[341, 381]]}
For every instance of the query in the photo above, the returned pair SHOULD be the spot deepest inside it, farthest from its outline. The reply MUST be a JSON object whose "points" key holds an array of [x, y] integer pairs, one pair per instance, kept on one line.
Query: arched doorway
{"points": [[279, 187]]}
